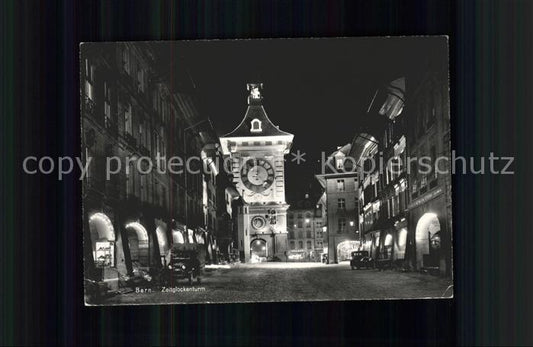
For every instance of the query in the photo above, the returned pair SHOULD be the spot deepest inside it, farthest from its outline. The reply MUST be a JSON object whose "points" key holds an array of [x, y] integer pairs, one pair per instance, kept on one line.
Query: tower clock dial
{"points": [[258, 222], [257, 175]]}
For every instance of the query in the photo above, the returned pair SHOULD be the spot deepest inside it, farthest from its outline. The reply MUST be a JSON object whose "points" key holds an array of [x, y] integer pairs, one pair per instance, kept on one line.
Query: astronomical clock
{"points": [[257, 149]]}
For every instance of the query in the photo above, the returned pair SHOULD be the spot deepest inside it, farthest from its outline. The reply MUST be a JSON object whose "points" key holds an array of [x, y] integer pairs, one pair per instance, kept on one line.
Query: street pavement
{"points": [[291, 282]]}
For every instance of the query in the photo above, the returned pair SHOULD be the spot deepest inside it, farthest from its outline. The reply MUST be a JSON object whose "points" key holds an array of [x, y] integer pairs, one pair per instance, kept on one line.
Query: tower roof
{"points": [[256, 122]]}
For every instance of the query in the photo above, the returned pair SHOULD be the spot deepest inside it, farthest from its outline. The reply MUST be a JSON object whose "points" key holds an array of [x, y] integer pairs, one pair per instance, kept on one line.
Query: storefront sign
{"points": [[432, 194]]}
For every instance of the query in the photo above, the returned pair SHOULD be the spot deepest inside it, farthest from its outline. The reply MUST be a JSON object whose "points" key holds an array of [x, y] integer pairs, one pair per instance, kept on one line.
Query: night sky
{"points": [[317, 89]]}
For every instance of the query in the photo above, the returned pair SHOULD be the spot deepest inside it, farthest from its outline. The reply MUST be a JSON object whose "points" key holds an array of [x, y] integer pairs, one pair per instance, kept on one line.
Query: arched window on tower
{"points": [[256, 126]]}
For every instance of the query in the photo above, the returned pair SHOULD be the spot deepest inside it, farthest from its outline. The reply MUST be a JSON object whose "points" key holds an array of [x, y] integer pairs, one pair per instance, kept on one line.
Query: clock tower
{"points": [[256, 149]]}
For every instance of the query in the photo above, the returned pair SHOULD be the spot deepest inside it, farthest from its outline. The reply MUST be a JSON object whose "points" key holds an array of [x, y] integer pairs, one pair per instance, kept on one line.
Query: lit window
{"points": [[340, 185], [107, 105], [126, 60], [89, 79], [128, 120], [140, 80]]}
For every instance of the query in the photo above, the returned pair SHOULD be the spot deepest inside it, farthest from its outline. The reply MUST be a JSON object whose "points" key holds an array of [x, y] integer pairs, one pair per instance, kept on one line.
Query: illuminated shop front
{"points": [[345, 249], [428, 240], [400, 243], [138, 246], [163, 242], [431, 240], [103, 240]]}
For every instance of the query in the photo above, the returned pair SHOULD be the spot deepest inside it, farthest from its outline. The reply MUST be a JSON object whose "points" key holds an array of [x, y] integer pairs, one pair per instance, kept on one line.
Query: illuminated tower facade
{"points": [[257, 149]]}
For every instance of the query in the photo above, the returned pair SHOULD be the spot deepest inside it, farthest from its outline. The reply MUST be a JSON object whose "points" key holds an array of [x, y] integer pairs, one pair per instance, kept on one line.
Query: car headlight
{"points": [[183, 267]]}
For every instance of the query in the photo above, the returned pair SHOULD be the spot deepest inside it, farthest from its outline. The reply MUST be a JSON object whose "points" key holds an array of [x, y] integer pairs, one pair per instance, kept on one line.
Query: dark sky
{"points": [[316, 89]]}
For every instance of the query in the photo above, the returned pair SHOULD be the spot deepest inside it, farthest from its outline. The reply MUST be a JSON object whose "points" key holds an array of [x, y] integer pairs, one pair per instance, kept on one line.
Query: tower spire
{"points": [[256, 90]]}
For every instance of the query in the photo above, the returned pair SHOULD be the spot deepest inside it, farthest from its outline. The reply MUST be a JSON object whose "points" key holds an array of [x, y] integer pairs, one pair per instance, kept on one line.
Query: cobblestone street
{"points": [[293, 282]]}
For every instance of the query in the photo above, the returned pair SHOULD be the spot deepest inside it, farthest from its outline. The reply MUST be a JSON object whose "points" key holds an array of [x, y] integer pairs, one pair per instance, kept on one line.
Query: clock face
{"points": [[257, 175], [258, 222]]}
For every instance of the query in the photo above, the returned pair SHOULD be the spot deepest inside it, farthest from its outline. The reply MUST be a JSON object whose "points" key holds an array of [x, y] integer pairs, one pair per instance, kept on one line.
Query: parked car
{"points": [[360, 259], [186, 263]]}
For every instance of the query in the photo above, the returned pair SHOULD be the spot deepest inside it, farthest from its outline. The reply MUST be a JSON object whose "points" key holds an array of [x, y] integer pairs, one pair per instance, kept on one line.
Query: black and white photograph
{"points": [[266, 170]]}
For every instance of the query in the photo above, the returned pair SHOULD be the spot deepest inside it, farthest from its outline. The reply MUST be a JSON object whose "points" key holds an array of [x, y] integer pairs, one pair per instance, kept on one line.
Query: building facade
{"points": [[383, 192], [257, 149], [320, 222], [340, 184], [303, 221], [134, 208], [405, 205], [430, 206]]}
